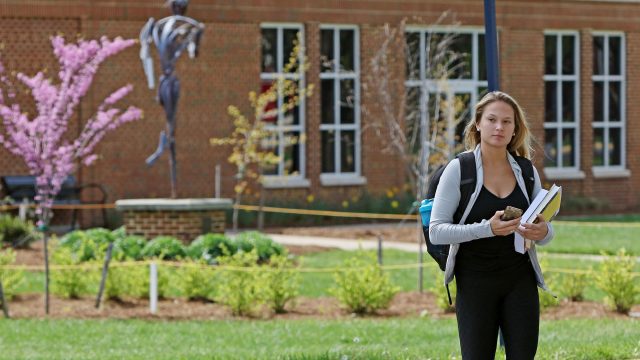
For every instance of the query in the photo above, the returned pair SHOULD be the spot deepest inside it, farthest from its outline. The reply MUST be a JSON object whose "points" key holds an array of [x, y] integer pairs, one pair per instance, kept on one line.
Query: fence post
{"points": [[5, 307], [153, 288], [105, 270], [380, 250]]}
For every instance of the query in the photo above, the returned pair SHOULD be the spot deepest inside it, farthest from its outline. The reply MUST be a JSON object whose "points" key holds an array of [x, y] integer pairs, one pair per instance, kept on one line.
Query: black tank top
{"points": [[496, 253]]}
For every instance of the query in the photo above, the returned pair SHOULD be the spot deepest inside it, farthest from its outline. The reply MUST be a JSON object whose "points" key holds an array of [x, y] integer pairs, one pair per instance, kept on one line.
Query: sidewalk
{"points": [[350, 244]]}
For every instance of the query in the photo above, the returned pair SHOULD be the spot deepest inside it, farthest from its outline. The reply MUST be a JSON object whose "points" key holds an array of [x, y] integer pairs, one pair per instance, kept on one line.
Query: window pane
{"points": [[598, 101], [291, 109], [271, 143], [550, 54], [598, 147], [550, 101], [462, 47], [347, 50], [269, 50], [291, 156], [568, 101], [463, 114], [347, 102], [598, 55], [615, 147], [568, 63], [412, 116], [413, 55], [347, 151], [482, 91], [551, 147], [568, 147], [289, 38], [615, 55], [482, 59], [614, 101], [270, 92], [435, 53], [326, 50], [327, 100], [328, 151]]}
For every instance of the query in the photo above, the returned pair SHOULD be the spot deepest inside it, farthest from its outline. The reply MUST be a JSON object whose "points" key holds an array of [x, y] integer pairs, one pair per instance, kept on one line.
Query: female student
{"points": [[496, 285]]}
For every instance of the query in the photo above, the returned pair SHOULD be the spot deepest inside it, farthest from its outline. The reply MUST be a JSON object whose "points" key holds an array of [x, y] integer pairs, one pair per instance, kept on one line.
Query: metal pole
{"points": [[153, 288], [5, 307], [491, 44], [217, 181], [105, 271], [380, 250]]}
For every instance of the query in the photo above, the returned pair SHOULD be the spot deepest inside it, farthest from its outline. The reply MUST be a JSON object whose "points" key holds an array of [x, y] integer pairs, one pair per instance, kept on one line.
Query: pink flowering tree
{"points": [[50, 156], [40, 140]]}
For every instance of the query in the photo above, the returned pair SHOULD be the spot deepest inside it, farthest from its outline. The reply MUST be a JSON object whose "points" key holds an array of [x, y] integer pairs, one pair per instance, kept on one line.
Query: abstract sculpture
{"points": [[171, 35]]}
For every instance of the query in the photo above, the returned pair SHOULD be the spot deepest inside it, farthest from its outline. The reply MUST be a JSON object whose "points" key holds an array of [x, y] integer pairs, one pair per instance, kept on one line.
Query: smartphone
{"points": [[510, 213]]}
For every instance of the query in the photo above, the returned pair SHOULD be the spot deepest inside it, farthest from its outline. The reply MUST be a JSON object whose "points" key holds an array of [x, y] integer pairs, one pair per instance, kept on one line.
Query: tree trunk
{"points": [[5, 307], [235, 212], [46, 271], [260, 206]]}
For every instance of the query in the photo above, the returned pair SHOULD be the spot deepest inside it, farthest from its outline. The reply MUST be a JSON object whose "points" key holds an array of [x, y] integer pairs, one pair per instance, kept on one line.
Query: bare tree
{"points": [[417, 124]]}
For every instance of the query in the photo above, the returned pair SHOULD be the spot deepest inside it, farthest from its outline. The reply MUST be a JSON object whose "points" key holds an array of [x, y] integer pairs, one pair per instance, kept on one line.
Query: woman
{"points": [[496, 286]]}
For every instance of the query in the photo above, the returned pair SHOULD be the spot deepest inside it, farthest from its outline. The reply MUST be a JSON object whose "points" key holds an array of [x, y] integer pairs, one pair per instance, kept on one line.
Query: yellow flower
{"points": [[389, 194], [394, 204], [345, 203], [310, 198]]}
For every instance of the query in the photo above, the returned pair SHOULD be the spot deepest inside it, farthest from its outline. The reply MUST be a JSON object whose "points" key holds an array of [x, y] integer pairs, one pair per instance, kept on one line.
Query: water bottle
{"points": [[425, 211]]}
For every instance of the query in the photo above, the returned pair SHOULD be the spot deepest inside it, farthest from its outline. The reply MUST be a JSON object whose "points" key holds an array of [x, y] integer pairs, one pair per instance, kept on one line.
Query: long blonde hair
{"points": [[520, 143]]}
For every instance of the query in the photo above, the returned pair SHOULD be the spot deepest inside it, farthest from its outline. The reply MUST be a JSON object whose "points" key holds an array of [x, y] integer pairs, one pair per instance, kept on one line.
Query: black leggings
{"points": [[488, 301]]}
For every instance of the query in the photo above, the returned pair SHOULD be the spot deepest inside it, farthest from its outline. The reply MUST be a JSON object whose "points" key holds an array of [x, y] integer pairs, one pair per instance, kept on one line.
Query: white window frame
{"points": [[559, 171], [299, 179], [339, 177], [607, 170], [430, 86]]}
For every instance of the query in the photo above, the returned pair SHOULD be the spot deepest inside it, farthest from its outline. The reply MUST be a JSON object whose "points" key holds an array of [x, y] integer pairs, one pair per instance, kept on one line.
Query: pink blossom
{"points": [[40, 141]]}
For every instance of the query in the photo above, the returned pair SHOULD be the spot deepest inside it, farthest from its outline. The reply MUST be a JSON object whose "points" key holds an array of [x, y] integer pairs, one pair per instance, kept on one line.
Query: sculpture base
{"points": [[184, 219]]}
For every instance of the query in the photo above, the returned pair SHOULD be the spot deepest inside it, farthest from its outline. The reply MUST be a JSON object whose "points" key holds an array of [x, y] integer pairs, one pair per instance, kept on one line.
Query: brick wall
{"points": [[184, 225], [229, 67]]}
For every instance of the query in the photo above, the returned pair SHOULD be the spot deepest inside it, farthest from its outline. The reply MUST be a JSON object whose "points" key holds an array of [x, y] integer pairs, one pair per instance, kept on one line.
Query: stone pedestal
{"points": [[184, 219]]}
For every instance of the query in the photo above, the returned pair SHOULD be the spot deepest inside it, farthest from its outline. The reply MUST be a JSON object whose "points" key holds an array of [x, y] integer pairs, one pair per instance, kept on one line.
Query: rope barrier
{"points": [[175, 264], [331, 213]]}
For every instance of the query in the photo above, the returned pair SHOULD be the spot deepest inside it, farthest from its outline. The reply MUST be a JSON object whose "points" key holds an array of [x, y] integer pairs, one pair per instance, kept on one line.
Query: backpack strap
{"points": [[467, 182], [527, 173]]}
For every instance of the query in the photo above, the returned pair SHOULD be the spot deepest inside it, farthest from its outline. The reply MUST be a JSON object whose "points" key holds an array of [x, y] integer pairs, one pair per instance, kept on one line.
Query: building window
{"points": [[462, 54], [340, 99], [287, 127], [608, 100], [561, 100]]}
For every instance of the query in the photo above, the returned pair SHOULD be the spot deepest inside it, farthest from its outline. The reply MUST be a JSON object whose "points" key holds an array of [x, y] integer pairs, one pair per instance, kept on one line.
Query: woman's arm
{"points": [[441, 228]]}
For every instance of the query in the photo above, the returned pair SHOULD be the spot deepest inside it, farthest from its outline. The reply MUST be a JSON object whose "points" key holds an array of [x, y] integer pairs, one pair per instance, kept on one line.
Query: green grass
{"points": [[579, 238], [294, 339]]}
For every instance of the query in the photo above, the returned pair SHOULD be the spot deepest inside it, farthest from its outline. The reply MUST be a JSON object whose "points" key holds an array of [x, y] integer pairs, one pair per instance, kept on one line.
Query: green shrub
{"points": [[615, 278], [128, 248], [361, 285], [197, 280], [238, 282], [209, 246], [11, 278], [572, 286], [16, 232], [281, 282], [265, 247], [88, 245], [440, 291], [73, 282], [164, 248], [546, 298]]}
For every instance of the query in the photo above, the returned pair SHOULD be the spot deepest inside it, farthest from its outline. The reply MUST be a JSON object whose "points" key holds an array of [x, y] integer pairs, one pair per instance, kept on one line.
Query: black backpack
{"points": [[467, 185]]}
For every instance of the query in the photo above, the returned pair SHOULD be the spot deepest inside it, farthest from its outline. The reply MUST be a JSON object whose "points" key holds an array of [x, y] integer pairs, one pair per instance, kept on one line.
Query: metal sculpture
{"points": [[171, 36]]}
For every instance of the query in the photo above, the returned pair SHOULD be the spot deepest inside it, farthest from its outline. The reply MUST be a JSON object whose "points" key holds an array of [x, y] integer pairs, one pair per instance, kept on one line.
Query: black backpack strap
{"points": [[527, 174], [467, 182]]}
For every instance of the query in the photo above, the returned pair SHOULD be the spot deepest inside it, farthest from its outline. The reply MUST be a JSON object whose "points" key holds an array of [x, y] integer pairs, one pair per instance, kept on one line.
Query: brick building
{"points": [[571, 64]]}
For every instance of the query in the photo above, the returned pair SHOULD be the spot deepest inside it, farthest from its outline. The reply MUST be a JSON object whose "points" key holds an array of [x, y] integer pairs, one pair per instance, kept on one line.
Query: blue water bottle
{"points": [[425, 211]]}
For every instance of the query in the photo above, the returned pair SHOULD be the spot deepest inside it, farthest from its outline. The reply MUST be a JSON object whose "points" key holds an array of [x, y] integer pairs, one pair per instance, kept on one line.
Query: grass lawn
{"points": [[591, 238], [294, 339]]}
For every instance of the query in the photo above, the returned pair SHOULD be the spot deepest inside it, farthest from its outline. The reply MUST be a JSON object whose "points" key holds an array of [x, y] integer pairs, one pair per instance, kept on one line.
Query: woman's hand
{"points": [[534, 232], [503, 228]]}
